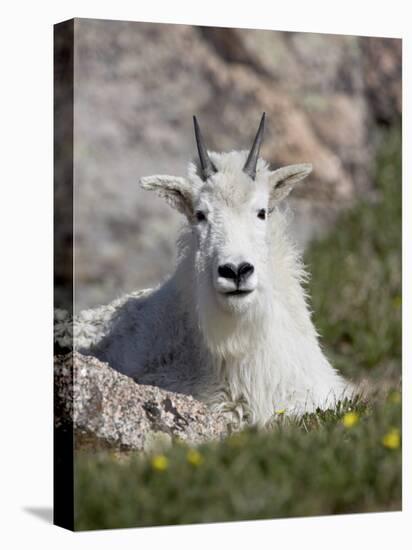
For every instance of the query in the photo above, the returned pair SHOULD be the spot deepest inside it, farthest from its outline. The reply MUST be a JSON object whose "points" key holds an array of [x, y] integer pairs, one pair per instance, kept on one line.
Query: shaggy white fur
{"points": [[248, 354]]}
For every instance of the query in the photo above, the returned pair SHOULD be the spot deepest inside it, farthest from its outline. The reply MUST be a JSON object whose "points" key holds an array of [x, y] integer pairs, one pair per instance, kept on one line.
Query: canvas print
{"points": [[227, 274]]}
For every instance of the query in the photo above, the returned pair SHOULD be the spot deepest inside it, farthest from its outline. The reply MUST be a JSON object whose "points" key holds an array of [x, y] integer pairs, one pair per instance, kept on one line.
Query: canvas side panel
{"points": [[63, 272]]}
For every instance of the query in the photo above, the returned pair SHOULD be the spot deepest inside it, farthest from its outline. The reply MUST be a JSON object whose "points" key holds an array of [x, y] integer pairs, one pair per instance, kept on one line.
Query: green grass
{"points": [[314, 466], [289, 472], [356, 276]]}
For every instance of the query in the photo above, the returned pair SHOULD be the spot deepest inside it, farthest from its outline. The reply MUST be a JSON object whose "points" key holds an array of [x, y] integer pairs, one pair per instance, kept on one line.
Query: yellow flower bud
{"points": [[159, 463], [350, 419], [392, 439], [194, 457]]}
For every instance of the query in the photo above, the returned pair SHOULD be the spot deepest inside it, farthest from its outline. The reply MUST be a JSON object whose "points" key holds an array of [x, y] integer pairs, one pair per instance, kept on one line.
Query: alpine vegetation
{"points": [[231, 325]]}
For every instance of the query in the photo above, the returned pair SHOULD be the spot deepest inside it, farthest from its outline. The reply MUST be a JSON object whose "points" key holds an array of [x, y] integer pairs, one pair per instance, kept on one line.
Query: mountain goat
{"points": [[231, 326]]}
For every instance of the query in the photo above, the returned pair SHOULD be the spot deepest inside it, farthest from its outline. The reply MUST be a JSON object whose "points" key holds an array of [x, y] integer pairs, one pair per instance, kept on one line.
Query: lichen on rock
{"points": [[110, 410]]}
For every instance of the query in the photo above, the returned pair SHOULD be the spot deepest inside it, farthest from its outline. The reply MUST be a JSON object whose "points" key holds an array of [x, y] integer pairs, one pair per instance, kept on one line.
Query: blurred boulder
{"points": [[382, 62], [110, 410]]}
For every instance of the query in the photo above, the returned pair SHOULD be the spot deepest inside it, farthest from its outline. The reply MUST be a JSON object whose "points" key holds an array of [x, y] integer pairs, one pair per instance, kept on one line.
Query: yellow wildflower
{"points": [[350, 419], [159, 463], [280, 411], [194, 457], [392, 439]]}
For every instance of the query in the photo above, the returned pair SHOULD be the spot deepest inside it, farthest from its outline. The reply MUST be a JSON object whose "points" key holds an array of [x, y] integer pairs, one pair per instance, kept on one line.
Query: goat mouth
{"points": [[238, 292]]}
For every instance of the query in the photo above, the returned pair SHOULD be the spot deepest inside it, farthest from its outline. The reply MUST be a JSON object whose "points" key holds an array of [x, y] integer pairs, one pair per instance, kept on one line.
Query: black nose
{"points": [[237, 273], [244, 270]]}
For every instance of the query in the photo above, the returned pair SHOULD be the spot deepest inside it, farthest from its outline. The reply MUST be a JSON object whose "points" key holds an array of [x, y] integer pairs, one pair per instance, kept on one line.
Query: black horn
{"points": [[206, 165], [251, 163]]}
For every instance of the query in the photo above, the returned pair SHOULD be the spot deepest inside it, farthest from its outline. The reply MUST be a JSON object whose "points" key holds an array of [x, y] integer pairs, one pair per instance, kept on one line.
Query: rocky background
{"points": [[137, 86]]}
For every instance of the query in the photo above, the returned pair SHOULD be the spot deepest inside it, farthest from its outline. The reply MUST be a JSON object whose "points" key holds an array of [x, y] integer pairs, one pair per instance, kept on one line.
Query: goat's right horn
{"points": [[251, 163], [206, 165]]}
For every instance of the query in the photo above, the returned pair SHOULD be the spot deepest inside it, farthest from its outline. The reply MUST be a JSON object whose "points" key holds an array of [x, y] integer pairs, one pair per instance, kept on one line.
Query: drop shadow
{"points": [[42, 512]]}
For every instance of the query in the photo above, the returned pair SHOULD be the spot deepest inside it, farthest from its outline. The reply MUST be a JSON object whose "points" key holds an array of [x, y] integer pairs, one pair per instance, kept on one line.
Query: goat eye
{"points": [[262, 214], [200, 216]]}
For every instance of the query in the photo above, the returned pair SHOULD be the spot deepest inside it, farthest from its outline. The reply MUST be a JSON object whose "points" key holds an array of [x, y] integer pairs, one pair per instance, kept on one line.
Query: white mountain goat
{"points": [[231, 326]]}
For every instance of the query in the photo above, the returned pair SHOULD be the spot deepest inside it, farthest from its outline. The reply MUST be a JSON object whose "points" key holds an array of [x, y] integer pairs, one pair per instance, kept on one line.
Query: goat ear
{"points": [[177, 191], [284, 179]]}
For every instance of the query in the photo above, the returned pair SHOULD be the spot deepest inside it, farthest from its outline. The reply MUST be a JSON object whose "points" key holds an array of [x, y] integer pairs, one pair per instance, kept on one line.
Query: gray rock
{"points": [[109, 410], [383, 77]]}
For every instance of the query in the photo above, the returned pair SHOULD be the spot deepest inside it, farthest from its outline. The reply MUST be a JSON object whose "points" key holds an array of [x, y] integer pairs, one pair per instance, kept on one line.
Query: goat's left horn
{"points": [[206, 165], [251, 163]]}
